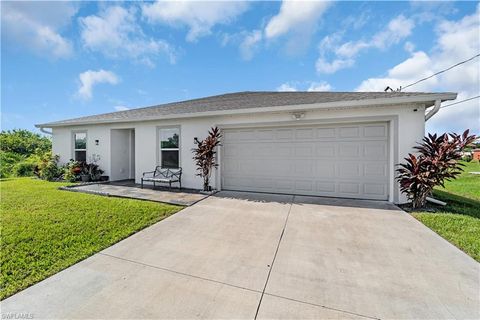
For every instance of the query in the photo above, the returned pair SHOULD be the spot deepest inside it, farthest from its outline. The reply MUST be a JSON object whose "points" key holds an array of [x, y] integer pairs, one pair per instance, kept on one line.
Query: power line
{"points": [[461, 101], [442, 71]]}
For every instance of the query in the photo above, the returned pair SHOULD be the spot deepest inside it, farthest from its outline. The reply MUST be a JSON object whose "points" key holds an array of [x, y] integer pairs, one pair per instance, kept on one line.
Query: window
{"points": [[80, 146], [169, 147]]}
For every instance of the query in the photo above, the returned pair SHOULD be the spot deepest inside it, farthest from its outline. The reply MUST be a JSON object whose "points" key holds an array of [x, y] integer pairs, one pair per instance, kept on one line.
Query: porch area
{"points": [[129, 189]]}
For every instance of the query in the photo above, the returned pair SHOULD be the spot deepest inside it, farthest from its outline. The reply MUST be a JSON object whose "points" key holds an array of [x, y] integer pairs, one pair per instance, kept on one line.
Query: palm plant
{"points": [[436, 163], [204, 156]]}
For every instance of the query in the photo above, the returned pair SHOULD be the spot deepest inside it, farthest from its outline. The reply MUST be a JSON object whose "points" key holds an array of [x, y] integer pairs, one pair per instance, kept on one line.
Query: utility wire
{"points": [[442, 71], [465, 100]]}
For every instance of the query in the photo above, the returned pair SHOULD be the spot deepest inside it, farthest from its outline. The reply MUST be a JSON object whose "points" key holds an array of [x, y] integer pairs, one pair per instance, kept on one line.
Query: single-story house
{"points": [[335, 144], [476, 154]]}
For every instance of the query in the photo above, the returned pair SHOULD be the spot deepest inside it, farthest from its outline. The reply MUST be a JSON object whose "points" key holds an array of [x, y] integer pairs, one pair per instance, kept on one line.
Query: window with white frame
{"points": [[80, 146], [169, 152]]}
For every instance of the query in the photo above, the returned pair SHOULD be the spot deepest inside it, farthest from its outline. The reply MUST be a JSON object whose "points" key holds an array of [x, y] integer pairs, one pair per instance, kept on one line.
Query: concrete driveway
{"points": [[246, 256]]}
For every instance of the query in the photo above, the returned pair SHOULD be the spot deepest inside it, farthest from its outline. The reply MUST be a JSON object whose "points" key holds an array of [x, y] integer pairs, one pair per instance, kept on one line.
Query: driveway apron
{"points": [[242, 255]]}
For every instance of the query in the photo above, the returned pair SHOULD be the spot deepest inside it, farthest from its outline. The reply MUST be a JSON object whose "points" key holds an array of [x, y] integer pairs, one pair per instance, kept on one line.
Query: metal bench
{"points": [[163, 175]]}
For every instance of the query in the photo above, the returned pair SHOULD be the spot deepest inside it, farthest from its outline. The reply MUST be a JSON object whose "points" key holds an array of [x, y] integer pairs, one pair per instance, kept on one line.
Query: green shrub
{"points": [[72, 170], [24, 169], [48, 168], [7, 161]]}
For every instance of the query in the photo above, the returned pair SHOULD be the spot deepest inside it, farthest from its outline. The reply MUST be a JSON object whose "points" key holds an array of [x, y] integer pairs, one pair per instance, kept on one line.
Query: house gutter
{"points": [[436, 108], [42, 129]]}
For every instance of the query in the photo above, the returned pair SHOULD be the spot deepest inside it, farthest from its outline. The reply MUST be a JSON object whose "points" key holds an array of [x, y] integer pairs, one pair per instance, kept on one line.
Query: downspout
{"points": [[42, 129], [435, 109]]}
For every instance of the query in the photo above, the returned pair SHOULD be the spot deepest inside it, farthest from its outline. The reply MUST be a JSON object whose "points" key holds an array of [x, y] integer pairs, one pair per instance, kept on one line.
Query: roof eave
{"points": [[427, 100]]}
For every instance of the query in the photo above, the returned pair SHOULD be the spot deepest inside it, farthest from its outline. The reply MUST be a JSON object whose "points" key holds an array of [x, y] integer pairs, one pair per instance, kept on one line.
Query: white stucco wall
{"points": [[407, 127]]}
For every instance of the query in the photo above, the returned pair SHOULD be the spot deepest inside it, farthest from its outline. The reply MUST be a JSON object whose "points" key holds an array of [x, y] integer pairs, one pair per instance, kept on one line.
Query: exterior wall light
{"points": [[97, 142], [298, 115]]}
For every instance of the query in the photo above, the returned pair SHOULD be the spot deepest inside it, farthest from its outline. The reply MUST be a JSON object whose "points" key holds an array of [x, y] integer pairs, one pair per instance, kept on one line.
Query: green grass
{"points": [[44, 230], [459, 221]]}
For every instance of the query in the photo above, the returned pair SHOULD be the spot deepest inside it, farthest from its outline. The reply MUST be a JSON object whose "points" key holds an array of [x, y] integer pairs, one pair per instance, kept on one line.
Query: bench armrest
{"points": [[148, 174]]}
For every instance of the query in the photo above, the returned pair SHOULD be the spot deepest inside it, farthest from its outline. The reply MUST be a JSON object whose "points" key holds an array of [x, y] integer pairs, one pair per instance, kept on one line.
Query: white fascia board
{"points": [[427, 100]]}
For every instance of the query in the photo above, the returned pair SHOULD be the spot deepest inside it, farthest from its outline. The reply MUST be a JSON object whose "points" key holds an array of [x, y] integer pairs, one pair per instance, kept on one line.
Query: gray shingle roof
{"points": [[234, 101]]}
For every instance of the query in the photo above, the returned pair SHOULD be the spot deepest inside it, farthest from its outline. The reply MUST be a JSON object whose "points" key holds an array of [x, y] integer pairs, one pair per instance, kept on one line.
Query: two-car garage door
{"points": [[343, 160]]}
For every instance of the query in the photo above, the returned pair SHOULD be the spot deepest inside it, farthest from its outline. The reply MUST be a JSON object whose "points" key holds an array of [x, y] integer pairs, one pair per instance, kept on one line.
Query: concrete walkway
{"points": [[174, 196], [247, 256]]}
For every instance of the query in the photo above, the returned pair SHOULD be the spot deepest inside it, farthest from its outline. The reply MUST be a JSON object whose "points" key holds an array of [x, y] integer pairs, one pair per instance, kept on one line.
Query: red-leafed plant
{"points": [[436, 162], [204, 156]]}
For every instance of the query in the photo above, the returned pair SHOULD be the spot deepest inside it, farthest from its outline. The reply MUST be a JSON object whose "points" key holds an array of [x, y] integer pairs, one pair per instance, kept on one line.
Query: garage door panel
{"points": [[325, 150], [334, 160], [349, 169], [265, 183], [349, 188], [285, 134], [304, 185], [278, 167], [326, 186], [325, 169], [303, 150], [285, 185], [349, 132], [307, 133], [375, 131], [375, 150], [265, 134], [376, 169], [323, 133], [375, 189], [348, 150], [303, 168]]}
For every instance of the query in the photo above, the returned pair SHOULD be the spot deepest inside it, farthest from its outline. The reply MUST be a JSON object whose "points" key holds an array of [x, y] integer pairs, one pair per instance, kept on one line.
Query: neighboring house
{"points": [[476, 154], [338, 144]]}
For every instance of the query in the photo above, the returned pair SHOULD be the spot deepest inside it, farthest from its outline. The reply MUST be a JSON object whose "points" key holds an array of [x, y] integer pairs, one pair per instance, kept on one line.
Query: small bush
{"points": [[24, 169], [7, 161], [467, 158], [48, 168], [436, 162]]}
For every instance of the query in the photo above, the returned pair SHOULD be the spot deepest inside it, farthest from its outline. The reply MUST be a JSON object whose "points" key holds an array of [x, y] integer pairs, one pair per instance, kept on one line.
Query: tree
{"points": [[19, 150], [436, 162], [204, 156], [24, 142]]}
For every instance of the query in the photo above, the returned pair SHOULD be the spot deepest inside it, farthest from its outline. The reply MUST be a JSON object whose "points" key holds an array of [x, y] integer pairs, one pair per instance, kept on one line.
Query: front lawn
{"points": [[459, 221], [45, 230]]}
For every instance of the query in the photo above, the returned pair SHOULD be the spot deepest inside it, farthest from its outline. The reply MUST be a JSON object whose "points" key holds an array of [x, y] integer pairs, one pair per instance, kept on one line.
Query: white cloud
{"points": [[416, 67], [297, 19], [121, 108], [456, 41], [250, 44], [398, 29], [115, 33], [37, 26], [319, 86], [344, 54], [286, 87], [199, 16], [310, 86], [295, 16], [90, 78], [324, 66]]}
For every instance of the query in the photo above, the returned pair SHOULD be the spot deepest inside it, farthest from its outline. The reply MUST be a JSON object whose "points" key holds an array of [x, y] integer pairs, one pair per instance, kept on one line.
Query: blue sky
{"points": [[67, 59]]}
